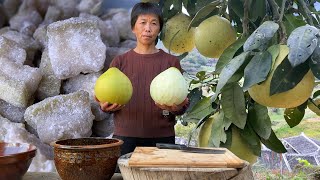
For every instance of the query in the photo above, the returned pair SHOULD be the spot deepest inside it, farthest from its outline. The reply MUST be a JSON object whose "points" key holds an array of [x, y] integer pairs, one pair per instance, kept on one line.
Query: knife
{"points": [[185, 148]]}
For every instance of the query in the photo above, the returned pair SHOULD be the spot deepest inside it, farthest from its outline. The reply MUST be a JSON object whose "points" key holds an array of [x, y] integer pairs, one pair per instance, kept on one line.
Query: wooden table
{"points": [[55, 176], [149, 163]]}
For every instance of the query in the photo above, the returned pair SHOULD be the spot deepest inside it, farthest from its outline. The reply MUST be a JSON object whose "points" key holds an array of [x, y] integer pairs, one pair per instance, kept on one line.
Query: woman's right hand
{"points": [[108, 107]]}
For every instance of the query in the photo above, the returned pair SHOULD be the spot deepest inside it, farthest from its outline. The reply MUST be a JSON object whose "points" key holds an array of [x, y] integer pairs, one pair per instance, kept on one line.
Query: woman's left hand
{"points": [[174, 107]]}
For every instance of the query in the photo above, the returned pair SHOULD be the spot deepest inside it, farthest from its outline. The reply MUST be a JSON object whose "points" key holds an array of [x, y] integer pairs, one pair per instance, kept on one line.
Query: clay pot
{"points": [[86, 158], [15, 159]]}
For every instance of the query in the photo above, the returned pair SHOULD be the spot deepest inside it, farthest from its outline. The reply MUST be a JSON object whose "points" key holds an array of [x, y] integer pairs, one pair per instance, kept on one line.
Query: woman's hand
{"points": [[108, 107], [174, 107]]}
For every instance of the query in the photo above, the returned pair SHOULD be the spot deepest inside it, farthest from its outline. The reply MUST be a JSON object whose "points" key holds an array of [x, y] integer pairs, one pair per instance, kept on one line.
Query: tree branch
{"points": [[283, 33], [275, 10], [307, 12], [278, 18], [282, 9], [245, 21]]}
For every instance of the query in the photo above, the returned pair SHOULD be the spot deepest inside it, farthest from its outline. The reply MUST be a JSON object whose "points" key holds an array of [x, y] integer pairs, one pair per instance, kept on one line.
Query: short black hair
{"points": [[146, 8]]}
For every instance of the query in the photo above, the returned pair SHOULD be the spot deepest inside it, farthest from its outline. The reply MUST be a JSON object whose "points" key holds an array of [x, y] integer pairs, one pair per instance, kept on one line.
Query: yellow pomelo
{"points": [[213, 36], [241, 148], [177, 28], [292, 98], [313, 108], [205, 131], [238, 146], [169, 87], [113, 86]]}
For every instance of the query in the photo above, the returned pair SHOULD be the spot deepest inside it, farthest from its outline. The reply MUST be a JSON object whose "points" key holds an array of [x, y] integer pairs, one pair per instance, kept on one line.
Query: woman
{"points": [[142, 122]]}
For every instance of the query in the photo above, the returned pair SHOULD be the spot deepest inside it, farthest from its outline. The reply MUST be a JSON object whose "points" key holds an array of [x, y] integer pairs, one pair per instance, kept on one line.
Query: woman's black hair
{"points": [[146, 8]]}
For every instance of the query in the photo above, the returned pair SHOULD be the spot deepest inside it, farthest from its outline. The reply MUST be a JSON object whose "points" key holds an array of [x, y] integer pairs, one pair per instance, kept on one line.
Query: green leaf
{"points": [[205, 12], [285, 77], [252, 139], [279, 2], [185, 3], [202, 3], [177, 5], [191, 7], [228, 71], [257, 69], [201, 75], [303, 106], [180, 57], [315, 17], [259, 39], [194, 97], [291, 22], [316, 94], [314, 65], [233, 104], [302, 42], [200, 110], [274, 51], [259, 119], [236, 6], [274, 143], [236, 76], [257, 9], [218, 129], [228, 142], [237, 24], [228, 54], [293, 116], [193, 81], [314, 61], [227, 123], [167, 11]]}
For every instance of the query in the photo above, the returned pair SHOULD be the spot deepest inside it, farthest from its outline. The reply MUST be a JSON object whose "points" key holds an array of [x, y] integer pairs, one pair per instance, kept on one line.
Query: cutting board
{"points": [[154, 157]]}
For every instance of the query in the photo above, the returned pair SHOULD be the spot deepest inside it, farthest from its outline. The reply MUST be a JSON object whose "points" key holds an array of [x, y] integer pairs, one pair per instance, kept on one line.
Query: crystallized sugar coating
{"points": [[18, 83], [50, 85], [61, 117], [86, 82], [75, 46], [82, 82], [12, 51]]}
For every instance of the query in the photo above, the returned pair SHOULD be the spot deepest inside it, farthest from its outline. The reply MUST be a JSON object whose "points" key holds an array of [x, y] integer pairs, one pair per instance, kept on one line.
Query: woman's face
{"points": [[146, 28]]}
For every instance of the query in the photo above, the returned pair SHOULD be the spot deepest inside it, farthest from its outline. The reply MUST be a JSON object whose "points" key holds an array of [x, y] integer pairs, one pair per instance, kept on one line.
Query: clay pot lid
{"points": [[89, 143]]}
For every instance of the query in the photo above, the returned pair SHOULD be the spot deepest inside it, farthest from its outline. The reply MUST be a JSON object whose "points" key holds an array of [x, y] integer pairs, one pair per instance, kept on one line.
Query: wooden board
{"points": [[154, 157]]}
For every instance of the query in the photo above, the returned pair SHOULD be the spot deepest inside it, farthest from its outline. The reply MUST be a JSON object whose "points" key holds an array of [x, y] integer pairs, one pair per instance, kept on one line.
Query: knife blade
{"points": [[185, 148]]}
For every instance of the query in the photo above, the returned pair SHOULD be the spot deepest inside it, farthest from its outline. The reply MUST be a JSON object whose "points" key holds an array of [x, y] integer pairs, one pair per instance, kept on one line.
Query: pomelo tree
{"points": [[268, 55]]}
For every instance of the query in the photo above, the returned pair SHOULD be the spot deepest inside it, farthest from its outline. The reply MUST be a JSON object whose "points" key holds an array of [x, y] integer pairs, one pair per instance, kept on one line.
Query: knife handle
{"points": [[170, 146]]}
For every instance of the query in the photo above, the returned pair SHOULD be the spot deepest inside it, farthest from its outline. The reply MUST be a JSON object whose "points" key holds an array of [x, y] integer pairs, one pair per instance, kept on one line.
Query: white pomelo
{"points": [[169, 87]]}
